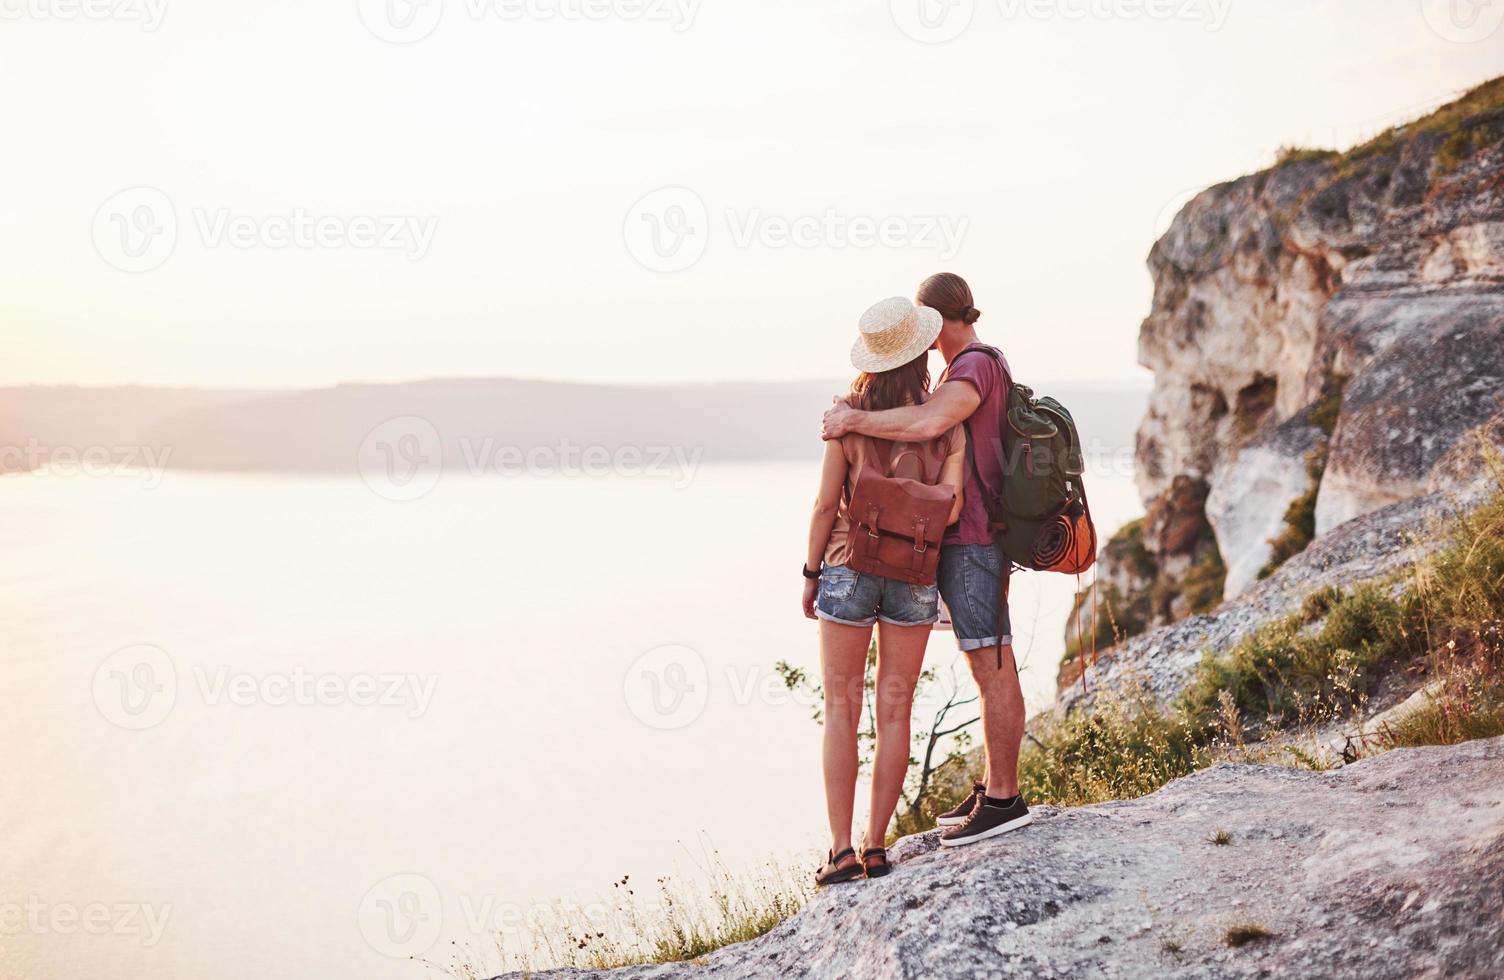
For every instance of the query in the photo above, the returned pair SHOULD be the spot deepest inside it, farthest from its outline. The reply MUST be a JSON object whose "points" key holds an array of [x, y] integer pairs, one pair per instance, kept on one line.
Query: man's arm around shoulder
{"points": [[949, 406]]}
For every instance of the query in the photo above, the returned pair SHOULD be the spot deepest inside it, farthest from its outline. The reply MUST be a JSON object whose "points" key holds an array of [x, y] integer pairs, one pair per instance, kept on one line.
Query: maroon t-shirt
{"points": [[985, 439]]}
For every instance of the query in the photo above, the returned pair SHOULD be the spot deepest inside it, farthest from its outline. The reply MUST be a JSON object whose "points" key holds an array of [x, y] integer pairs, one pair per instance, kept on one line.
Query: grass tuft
{"points": [[681, 921], [1320, 664], [1221, 838], [1242, 935], [1126, 747]]}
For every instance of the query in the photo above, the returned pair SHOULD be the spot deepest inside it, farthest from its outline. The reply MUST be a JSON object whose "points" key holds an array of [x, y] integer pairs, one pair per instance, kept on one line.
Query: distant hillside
{"points": [[321, 430]]}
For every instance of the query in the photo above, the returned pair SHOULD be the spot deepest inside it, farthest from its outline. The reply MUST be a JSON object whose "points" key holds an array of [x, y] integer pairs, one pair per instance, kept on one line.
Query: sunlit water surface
{"points": [[572, 681]]}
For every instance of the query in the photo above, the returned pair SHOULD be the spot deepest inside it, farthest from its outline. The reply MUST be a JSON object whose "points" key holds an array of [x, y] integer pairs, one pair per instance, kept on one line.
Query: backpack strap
{"points": [[995, 521]]}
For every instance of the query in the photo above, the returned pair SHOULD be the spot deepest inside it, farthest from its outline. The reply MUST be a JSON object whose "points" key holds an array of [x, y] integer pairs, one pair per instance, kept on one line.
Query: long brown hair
{"points": [[948, 293], [906, 385]]}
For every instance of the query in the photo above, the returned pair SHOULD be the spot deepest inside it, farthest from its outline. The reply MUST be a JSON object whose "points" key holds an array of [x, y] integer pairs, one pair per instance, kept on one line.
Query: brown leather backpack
{"points": [[896, 523]]}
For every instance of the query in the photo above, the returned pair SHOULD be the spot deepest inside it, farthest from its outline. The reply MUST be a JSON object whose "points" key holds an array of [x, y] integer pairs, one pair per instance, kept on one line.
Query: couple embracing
{"points": [[908, 472]]}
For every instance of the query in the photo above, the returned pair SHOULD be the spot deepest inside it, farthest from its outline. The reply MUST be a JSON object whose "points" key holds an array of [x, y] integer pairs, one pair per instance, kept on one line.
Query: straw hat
{"points": [[893, 333]]}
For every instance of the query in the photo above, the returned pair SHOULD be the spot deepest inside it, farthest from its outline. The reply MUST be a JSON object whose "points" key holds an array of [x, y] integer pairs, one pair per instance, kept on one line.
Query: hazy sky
{"points": [[351, 190]]}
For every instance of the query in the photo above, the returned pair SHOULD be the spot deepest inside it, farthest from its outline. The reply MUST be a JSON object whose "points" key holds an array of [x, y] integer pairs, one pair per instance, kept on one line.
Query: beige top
{"points": [[908, 460]]}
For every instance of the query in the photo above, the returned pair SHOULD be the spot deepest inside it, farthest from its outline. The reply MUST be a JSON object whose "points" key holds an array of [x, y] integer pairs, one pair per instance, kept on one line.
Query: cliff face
{"points": [[1326, 333]]}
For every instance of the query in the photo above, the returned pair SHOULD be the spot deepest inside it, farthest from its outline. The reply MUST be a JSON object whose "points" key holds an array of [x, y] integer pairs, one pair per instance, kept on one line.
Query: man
{"points": [[973, 569]]}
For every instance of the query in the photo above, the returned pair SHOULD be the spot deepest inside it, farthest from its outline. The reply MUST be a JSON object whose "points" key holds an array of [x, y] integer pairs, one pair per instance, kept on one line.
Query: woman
{"points": [[892, 355]]}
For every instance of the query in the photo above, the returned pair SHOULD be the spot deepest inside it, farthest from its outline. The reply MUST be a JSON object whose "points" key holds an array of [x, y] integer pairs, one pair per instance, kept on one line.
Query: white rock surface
{"points": [[1389, 271], [1390, 868], [1246, 506]]}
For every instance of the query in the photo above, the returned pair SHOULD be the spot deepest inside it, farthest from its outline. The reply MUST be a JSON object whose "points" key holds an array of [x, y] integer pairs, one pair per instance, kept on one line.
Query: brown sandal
{"points": [[878, 855], [834, 873]]}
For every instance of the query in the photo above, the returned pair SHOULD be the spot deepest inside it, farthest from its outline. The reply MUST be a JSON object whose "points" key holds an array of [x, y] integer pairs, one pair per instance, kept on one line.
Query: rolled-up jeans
{"points": [[971, 582]]}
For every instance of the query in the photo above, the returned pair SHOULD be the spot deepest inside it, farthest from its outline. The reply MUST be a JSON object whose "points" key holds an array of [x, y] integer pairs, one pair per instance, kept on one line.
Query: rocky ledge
{"points": [[1393, 867]]}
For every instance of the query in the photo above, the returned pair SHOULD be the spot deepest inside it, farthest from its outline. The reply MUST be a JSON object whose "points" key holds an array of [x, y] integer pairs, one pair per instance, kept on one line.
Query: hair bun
{"points": [[970, 314]]}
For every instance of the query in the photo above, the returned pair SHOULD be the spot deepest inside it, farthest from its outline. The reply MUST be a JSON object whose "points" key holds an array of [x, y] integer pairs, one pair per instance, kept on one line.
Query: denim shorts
{"points": [[971, 579], [860, 599]]}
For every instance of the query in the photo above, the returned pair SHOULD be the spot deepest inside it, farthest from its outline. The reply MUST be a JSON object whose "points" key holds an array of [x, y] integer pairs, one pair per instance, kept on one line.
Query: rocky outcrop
{"points": [[1251, 493], [1368, 548], [1382, 267], [1389, 868]]}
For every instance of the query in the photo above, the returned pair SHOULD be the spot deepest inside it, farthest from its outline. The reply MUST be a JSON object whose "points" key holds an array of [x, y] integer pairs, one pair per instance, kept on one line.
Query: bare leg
{"points": [[1002, 717], [843, 664], [900, 656]]}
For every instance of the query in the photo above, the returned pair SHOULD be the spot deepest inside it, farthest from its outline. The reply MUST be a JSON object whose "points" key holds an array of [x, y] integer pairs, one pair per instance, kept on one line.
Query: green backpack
{"points": [[1040, 517]]}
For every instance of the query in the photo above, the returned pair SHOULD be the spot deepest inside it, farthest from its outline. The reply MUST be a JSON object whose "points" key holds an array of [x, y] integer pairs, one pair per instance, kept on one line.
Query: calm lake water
{"points": [[266, 726]]}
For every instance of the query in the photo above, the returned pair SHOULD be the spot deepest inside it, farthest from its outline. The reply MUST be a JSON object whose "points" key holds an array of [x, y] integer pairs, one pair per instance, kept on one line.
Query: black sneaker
{"points": [[988, 820], [956, 817]]}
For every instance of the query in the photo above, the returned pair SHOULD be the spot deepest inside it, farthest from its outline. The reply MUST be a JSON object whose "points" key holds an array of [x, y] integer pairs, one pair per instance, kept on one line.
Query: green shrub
{"points": [[1300, 517], [1284, 671], [1203, 583], [1125, 747], [1323, 660]]}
